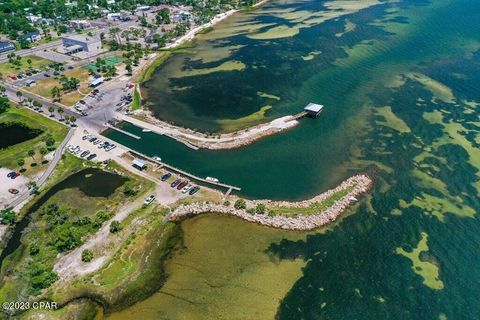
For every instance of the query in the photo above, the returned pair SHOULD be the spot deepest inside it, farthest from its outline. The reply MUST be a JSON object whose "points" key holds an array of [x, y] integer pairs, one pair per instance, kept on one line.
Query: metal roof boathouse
{"points": [[313, 110]]}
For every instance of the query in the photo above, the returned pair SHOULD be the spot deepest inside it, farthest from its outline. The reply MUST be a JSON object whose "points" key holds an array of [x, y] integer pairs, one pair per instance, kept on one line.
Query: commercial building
{"points": [[77, 43]]}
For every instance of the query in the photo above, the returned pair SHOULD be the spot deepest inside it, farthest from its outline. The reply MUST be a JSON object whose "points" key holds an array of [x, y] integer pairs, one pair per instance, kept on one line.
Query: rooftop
{"points": [[82, 38], [313, 107]]}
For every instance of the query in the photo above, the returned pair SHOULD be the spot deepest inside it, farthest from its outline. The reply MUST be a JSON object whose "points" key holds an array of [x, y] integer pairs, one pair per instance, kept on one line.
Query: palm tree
{"points": [[31, 153], [51, 110], [29, 61], [19, 96], [43, 152], [60, 112], [73, 120], [21, 163], [55, 92]]}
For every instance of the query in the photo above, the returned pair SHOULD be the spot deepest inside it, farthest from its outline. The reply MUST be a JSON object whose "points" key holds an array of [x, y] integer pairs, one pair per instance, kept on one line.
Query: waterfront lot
{"points": [[81, 200], [7, 68], [10, 155], [44, 87]]}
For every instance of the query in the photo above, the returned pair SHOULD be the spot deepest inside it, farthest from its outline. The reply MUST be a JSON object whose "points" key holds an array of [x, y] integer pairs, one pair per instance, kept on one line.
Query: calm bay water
{"points": [[400, 82]]}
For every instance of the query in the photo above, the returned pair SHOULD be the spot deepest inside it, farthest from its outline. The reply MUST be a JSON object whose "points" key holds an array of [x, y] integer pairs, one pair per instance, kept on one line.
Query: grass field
{"points": [[137, 101], [10, 155], [37, 63], [44, 87]]}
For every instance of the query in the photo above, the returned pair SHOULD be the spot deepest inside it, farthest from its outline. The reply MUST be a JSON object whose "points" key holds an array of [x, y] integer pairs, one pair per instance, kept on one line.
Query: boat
{"points": [[146, 130], [157, 158], [211, 179]]}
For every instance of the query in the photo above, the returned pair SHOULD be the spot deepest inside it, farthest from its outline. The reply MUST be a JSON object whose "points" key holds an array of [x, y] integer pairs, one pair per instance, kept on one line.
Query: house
{"points": [[95, 83], [33, 18], [313, 109], [113, 16], [77, 43], [6, 46], [182, 16], [80, 24], [31, 36], [139, 164]]}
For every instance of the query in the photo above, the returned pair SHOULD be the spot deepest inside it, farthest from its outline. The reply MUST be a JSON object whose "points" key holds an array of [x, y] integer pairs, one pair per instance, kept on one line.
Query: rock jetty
{"points": [[361, 184]]}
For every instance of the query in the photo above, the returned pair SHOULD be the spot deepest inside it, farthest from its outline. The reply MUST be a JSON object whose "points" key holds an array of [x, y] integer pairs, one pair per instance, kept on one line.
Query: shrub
{"points": [[260, 208], [7, 217], [226, 203], [240, 204], [87, 255], [34, 249], [251, 211], [115, 226]]}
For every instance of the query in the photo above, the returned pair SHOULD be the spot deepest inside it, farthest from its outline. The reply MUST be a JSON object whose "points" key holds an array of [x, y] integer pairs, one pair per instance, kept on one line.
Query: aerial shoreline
{"points": [[359, 184]]}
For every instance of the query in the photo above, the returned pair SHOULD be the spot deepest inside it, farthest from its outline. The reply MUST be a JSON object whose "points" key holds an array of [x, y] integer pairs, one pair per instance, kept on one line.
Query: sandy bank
{"points": [[360, 183]]}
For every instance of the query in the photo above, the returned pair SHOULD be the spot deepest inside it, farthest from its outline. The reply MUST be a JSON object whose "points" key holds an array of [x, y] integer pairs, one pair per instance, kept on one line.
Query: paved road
{"points": [[48, 172]]}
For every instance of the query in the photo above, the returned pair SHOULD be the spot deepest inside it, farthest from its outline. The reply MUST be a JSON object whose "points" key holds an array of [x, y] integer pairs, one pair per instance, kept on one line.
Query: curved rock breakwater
{"points": [[359, 184]]}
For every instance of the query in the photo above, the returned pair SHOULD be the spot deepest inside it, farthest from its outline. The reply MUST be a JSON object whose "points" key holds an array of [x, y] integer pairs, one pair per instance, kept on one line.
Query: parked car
{"points": [[10, 174], [166, 176], [175, 183], [13, 191], [90, 157], [15, 175], [187, 188], [194, 190], [182, 185], [149, 200], [84, 153]]}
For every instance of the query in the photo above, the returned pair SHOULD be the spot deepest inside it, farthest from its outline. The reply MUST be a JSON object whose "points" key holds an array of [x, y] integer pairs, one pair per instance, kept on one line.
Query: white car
{"points": [[149, 200], [187, 189]]}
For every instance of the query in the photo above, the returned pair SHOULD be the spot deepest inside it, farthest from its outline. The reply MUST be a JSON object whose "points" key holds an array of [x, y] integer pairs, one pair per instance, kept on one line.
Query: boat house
{"points": [[139, 164], [313, 110]]}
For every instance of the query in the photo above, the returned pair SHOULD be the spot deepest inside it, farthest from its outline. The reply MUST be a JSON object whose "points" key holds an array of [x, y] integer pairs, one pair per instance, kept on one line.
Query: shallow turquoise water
{"points": [[402, 105]]}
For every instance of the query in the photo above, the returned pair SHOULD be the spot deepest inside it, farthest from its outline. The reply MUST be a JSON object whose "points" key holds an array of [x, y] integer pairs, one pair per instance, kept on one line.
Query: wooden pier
{"points": [[184, 173]]}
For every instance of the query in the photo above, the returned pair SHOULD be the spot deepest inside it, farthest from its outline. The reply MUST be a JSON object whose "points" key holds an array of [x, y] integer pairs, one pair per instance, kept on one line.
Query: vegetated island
{"points": [[303, 215]]}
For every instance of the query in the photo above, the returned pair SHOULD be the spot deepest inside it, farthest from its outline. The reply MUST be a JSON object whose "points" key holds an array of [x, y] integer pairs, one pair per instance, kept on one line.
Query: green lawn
{"points": [[37, 63], [137, 101], [10, 155]]}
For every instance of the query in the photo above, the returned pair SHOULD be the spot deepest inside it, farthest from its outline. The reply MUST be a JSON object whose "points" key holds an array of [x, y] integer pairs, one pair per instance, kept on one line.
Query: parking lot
{"points": [[19, 183], [101, 154]]}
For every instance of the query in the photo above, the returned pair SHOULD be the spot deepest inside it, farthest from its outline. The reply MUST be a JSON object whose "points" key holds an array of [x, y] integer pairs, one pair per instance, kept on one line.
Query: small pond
{"points": [[13, 133]]}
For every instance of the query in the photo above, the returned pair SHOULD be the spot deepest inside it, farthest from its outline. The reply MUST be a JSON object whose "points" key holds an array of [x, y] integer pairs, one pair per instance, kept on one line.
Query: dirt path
{"points": [[71, 264]]}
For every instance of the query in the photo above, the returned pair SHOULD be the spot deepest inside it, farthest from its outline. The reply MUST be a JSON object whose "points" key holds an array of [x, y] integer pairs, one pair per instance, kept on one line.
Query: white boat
{"points": [[157, 158], [146, 130], [211, 179]]}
